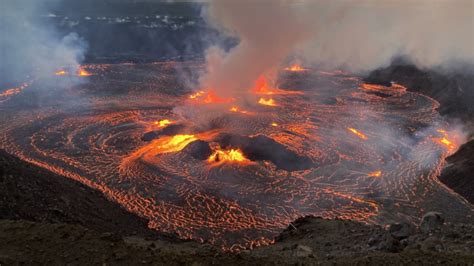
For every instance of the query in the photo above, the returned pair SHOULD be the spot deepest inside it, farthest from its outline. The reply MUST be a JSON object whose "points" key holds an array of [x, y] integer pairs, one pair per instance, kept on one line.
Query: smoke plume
{"points": [[355, 35], [30, 46], [268, 32]]}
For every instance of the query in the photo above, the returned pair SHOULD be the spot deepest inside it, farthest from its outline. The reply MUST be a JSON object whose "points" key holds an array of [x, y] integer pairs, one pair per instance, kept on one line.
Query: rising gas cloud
{"points": [[268, 31], [355, 35], [30, 46]]}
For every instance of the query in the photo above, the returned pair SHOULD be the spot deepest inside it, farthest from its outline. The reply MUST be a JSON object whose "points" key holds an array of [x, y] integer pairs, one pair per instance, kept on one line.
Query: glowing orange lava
{"points": [[357, 133], [60, 73], [209, 97], [13, 91], [445, 140], [262, 87], [163, 123], [377, 173], [232, 155], [83, 73], [372, 87], [213, 98], [295, 68], [10, 92], [236, 109], [274, 124], [268, 102], [175, 143], [196, 95]]}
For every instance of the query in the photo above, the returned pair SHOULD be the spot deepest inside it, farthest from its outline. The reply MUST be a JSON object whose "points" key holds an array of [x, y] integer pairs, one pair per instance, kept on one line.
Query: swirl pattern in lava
{"points": [[371, 153]]}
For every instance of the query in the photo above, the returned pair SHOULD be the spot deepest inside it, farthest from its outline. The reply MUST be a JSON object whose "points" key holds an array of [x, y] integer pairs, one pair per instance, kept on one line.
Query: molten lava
{"points": [[191, 183], [295, 68], [262, 87], [367, 86], [196, 95], [232, 155], [213, 98], [357, 133], [175, 143], [377, 173], [163, 123], [83, 73], [210, 97], [236, 109], [268, 102], [60, 73], [13, 91], [10, 92], [445, 140]]}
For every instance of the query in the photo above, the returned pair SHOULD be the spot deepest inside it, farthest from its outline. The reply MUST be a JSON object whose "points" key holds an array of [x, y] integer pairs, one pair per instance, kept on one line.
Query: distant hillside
{"points": [[124, 7], [454, 90]]}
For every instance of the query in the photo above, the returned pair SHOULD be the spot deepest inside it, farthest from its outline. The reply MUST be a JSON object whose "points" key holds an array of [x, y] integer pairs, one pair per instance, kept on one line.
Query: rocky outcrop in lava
{"points": [[198, 149], [262, 148]]}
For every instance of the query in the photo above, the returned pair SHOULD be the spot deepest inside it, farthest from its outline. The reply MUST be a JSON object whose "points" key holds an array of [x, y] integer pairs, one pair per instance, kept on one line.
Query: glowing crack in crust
{"points": [[357, 133], [295, 68], [220, 198]]}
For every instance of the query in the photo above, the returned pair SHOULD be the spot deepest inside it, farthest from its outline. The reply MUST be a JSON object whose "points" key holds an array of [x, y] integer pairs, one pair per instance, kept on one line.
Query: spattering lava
{"points": [[370, 152], [232, 155], [268, 102], [295, 68]]}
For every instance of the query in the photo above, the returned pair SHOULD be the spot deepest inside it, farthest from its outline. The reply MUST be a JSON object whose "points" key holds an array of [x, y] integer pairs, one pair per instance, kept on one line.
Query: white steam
{"points": [[268, 32], [30, 45], [356, 35], [363, 35]]}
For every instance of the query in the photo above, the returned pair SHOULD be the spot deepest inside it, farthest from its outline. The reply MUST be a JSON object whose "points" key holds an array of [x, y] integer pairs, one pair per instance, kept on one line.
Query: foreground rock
{"points": [[331, 240], [431, 221], [401, 231], [48, 219], [28, 192], [308, 241]]}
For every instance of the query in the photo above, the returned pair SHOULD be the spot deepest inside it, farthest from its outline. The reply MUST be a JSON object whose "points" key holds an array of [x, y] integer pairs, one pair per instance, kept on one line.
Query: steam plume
{"points": [[357, 35], [29, 46], [268, 32]]}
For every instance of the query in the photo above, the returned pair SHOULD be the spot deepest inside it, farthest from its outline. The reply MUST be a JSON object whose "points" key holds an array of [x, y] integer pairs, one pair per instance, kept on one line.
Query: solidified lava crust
{"points": [[333, 147]]}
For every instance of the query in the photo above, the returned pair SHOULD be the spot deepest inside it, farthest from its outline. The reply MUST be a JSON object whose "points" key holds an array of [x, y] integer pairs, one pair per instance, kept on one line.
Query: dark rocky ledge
{"points": [[459, 172], [28, 192]]}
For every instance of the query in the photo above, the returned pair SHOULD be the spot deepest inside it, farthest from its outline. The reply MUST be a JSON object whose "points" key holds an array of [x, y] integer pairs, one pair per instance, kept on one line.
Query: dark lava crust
{"points": [[455, 93]]}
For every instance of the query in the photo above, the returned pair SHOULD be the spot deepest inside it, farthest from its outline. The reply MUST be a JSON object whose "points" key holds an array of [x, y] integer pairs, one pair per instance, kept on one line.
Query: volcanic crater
{"points": [[322, 143]]}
